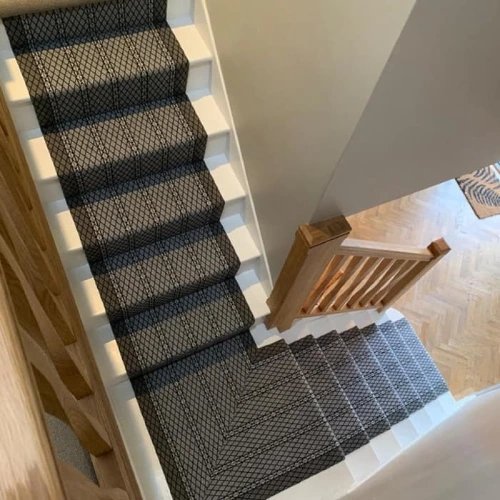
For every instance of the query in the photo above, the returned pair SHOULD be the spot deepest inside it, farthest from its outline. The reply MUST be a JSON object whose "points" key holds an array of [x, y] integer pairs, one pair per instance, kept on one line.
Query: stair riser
{"points": [[179, 10]]}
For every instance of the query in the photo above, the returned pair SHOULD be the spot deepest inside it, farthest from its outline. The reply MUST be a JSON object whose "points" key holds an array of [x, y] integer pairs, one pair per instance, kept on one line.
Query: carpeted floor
{"points": [[228, 420], [482, 190]]}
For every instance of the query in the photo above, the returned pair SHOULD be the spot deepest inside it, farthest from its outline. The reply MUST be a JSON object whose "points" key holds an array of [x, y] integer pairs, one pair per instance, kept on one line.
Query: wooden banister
{"points": [[32, 317], [27, 464], [59, 402], [327, 273], [439, 249], [17, 177], [365, 248], [51, 361], [311, 252]]}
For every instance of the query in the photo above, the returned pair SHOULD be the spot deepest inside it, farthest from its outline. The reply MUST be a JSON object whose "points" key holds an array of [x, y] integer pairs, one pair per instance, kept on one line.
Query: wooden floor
{"points": [[456, 307]]}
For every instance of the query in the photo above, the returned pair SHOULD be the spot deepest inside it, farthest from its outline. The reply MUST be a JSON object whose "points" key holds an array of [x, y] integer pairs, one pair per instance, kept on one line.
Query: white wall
{"points": [[458, 460], [299, 75], [338, 108], [435, 112]]}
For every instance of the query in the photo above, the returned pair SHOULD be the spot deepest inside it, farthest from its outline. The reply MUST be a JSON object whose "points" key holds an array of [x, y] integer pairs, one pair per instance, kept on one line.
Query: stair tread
{"points": [[104, 74], [418, 374], [74, 24], [160, 335], [113, 148], [147, 277], [422, 356], [121, 218], [389, 363]]}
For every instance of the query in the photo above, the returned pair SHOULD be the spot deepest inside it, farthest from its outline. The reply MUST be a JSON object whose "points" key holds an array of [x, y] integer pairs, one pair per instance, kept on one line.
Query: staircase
{"points": [[129, 137]]}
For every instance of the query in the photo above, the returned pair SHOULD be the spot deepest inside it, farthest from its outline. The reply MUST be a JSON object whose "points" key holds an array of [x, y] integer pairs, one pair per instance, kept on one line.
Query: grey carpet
{"points": [[108, 84]]}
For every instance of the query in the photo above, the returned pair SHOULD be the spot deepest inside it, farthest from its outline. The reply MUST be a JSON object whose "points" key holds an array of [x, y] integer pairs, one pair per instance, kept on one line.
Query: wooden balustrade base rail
{"points": [[326, 273]]}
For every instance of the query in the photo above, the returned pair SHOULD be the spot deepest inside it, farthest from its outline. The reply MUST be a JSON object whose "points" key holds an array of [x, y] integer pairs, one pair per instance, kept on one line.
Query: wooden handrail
{"points": [[363, 248], [17, 7], [327, 273]]}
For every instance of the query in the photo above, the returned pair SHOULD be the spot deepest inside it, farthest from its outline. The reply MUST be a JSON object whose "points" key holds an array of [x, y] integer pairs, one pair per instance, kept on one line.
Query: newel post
{"points": [[313, 248]]}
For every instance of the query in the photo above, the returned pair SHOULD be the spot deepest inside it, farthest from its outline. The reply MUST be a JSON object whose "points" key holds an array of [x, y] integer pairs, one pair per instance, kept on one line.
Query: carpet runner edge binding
{"points": [[227, 420]]}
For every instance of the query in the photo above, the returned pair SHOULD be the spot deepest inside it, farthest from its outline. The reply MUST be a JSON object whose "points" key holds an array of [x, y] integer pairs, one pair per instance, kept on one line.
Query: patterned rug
{"points": [[482, 190], [227, 420]]}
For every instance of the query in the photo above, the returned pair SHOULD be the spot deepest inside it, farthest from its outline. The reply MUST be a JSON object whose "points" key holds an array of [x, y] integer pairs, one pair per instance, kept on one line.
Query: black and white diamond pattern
{"points": [[234, 421], [108, 84], [227, 420]]}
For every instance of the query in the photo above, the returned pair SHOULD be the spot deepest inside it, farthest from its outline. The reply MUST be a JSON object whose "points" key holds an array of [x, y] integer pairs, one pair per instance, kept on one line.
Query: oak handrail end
{"points": [[439, 248]]}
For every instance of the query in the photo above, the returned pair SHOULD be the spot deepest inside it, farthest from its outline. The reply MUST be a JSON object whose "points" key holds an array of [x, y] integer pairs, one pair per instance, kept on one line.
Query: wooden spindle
{"points": [[326, 280], [343, 299], [370, 281], [392, 269], [394, 282], [353, 265]]}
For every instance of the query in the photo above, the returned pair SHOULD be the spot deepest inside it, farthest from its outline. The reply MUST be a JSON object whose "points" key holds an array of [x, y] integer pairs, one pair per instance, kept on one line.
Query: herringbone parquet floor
{"points": [[456, 308]]}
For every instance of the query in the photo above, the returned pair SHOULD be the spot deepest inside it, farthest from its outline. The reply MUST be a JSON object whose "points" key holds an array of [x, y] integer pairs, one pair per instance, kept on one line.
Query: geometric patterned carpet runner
{"points": [[228, 420], [234, 421], [108, 83]]}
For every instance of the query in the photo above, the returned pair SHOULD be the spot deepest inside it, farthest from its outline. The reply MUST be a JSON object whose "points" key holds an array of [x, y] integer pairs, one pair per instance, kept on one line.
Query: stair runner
{"points": [[108, 85], [227, 420]]}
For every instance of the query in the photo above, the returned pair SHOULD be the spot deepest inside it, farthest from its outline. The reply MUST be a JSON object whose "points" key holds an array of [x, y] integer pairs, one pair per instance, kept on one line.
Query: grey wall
{"points": [[338, 108], [434, 114], [458, 460], [298, 77]]}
